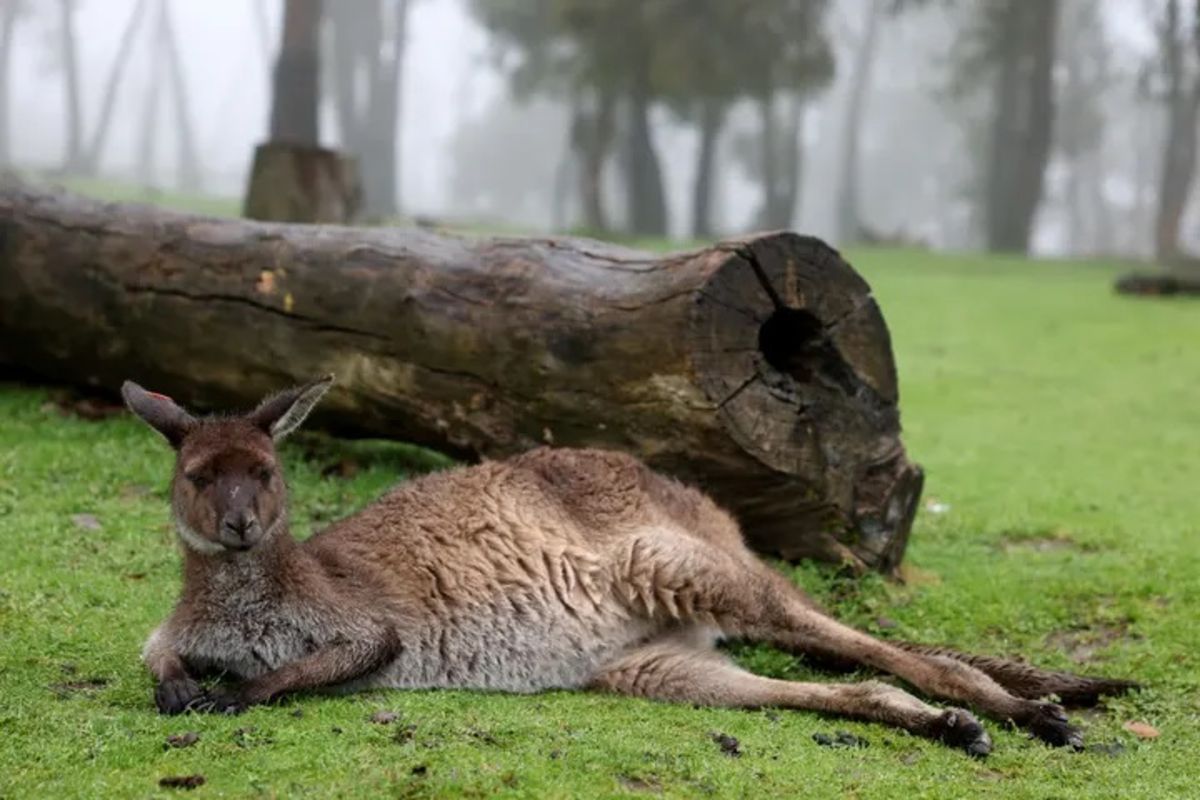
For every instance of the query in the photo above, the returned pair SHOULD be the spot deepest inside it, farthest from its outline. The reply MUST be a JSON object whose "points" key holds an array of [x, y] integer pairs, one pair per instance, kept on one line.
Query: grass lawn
{"points": [[1059, 426]]}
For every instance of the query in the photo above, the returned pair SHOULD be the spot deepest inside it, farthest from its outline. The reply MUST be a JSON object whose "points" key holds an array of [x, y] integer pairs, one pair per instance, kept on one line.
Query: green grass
{"points": [[125, 192], [1057, 421]]}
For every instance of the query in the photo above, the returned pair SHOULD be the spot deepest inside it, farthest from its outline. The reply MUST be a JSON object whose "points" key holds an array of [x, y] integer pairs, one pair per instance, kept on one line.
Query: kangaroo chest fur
{"points": [[243, 626]]}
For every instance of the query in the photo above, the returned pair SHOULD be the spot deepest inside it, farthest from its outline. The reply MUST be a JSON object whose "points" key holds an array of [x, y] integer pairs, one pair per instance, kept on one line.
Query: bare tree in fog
{"points": [[189, 160], [296, 95], [646, 198], [368, 39], [784, 58], [601, 56], [593, 128], [1178, 66], [1079, 136], [148, 132], [703, 84], [68, 52], [537, 55], [293, 178], [165, 62], [9, 12], [849, 221], [108, 102], [1007, 51]]}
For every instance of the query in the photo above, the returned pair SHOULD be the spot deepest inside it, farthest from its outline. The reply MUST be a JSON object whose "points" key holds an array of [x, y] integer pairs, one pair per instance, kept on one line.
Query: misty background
{"points": [[1054, 127]]}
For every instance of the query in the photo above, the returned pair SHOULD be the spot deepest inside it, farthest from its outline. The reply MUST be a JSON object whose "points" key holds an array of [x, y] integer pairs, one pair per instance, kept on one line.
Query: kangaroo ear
{"points": [[159, 412], [281, 414]]}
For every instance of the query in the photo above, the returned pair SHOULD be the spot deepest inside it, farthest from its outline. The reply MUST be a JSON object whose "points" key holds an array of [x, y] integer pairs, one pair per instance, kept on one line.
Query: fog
{"points": [[469, 151]]}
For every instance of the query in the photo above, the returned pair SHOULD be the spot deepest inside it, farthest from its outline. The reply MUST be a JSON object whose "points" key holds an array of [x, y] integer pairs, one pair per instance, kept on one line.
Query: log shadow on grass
{"points": [[344, 458]]}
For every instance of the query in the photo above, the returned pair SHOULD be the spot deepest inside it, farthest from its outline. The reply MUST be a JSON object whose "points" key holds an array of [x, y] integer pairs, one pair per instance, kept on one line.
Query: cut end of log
{"points": [[793, 351]]}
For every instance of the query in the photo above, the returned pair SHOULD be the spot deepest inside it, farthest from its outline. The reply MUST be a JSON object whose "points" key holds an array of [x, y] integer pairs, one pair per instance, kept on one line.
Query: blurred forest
{"points": [[1055, 127]]}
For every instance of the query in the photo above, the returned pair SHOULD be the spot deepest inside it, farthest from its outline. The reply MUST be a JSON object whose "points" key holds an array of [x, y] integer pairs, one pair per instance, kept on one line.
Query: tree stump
{"points": [[759, 369], [297, 183]]}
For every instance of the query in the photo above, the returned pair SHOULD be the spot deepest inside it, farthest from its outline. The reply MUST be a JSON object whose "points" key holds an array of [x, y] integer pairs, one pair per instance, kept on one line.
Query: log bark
{"points": [[759, 369]]}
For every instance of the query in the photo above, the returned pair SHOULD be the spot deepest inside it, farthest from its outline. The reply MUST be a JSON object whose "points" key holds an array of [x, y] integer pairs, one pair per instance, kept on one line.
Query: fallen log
{"points": [[1158, 285], [760, 369]]}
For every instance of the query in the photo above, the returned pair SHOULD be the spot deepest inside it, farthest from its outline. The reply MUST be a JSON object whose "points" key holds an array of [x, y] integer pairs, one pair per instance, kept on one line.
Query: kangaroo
{"points": [[555, 569]]}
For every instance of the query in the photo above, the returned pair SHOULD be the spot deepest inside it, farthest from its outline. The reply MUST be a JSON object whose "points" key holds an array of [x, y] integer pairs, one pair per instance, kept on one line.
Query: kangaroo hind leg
{"points": [[676, 578], [675, 671]]}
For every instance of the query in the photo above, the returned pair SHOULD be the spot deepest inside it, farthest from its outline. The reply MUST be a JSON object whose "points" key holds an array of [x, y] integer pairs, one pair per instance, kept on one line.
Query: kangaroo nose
{"points": [[239, 527]]}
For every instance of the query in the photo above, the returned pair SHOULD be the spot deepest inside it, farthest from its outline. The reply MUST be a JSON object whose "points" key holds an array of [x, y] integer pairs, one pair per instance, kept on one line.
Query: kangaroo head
{"points": [[227, 491]]}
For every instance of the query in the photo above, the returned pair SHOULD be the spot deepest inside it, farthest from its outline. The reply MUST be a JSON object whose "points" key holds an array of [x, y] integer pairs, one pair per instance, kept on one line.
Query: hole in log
{"points": [[789, 338]]}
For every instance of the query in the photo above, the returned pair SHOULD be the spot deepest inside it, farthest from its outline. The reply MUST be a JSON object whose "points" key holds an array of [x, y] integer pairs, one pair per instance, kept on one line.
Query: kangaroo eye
{"points": [[263, 474], [199, 480]]}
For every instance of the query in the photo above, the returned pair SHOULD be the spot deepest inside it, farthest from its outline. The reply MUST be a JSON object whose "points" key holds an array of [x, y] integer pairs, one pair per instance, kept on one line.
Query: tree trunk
{"points": [[296, 94], [792, 159], [769, 164], [356, 33], [1038, 138], [1022, 128], [759, 369], [712, 117], [1175, 185], [365, 58], [293, 178], [782, 151], [95, 150], [8, 24], [73, 159], [1179, 153], [592, 138], [643, 175], [148, 136], [381, 179], [1074, 203], [849, 220]]}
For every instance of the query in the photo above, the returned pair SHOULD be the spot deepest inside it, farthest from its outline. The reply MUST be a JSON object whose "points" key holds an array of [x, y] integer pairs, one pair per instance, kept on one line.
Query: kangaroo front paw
{"points": [[958, 728], [1049, 723], [177, 695], [219, 702]]}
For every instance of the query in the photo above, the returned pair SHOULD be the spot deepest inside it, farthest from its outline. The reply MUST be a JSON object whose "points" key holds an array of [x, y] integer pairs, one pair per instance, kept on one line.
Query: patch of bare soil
{"points": [[1041, 541], [1112, 749], [181, 740], [1083, 645], [251, 736], [640, 783], [89, 407], [840, 739], [915, 576], [728, 744], [67, 689], [187, 782]]}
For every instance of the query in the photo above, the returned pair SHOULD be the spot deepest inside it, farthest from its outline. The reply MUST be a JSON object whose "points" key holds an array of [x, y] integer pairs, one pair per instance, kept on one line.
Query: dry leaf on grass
{"points": [[1142, 730]]}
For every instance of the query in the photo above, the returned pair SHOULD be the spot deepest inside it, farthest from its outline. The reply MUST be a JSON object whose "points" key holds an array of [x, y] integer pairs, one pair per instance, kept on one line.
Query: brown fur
{"points": [[554, 569]]}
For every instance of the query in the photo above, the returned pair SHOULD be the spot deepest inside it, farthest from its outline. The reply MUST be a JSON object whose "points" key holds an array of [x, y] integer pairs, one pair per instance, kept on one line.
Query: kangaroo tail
{"points": [[1026, 680]]}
